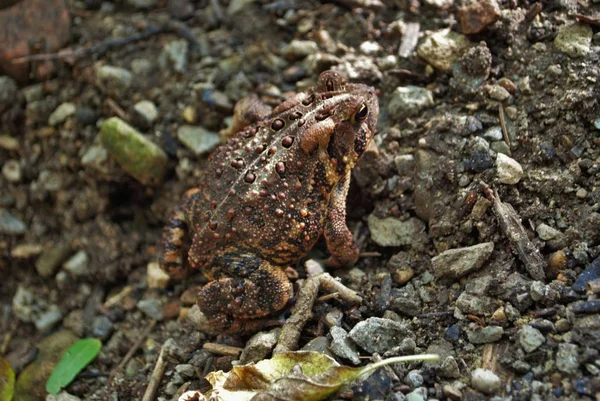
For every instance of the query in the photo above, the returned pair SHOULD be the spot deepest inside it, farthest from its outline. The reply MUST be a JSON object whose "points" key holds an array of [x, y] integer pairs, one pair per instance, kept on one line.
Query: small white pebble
{"points": [[485, 381], [510, 171]]}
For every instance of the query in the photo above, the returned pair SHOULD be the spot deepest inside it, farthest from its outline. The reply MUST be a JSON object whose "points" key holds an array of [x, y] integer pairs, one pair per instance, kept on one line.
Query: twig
{"points": [[8, 337], [114, 106], [222, 349], [157, 373], [503, 124], [510, 223], [302, 310], [100, 48], [116, 299], [369, 254]]}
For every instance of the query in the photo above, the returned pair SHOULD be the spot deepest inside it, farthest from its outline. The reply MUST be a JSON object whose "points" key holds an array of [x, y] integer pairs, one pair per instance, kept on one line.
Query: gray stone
{"points": [[102, 327], [151, 308], [391, 231], [379, 335], [449, 368], [61, 113], [135, 153], [299, 49], [49, 261], [10, 225], [8, 92], [574, 40], [62, 396], [147, 111], [509, 170], [48, 319], [493, 134], [186, 370], [198, 139], [260, 346], [342, 346], [475, 304], [567, 360], [175, 54], [485, 335], [418, 394], [142, 4], [414, 379], [443, 48], [485, 381], [498, 93], [537, 291], [113, 80], [530, 338], [546, 232], [455, 263], [409, 101], [318, 344], [77, 264]]}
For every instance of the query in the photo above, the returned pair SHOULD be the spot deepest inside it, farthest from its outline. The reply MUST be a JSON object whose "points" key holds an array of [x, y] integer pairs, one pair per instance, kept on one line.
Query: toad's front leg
{"points": [[338, 237], [240, 304]]}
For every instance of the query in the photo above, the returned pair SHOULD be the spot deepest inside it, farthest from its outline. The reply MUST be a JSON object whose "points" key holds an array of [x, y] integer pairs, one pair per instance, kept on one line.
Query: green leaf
{"points": [[7, 380], [292, 376], [77, 357]]}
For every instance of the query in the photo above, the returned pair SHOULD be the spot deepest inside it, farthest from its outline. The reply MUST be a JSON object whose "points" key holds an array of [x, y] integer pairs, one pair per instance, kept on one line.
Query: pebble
{"points": [[493, 133], [546, 232], [590, 273], [574, 39], [318, 344], [77, 264], [136, 154], [475, 304], [452, 333], [11, 170], [449, 368], [418, 394], [142, 4], [102, 327], [475, 17], [155, 277], [10, 225], [61, 114], [198, 139], [342, 346], [186, 370], [537, 291], [299, 49], [510, 171], [379, 335], [414, 379], [530, 338], [8, 142], [391, 231], [455, 263], [498, 93], [62, 396], [151, 308], [485, 335], [567, 360], [113, 80], [147, 111], [581, 193], [25, 251], [49, 261], [443, 48], [141, 66], [47, 320], [8, 92], [409, 101], [175, 54], [452, 392], [485, 381], [260, 346], [481, 160]]}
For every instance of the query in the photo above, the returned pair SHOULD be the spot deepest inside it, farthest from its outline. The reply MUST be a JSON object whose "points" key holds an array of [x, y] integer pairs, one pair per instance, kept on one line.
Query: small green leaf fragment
{"points": [[7, 380], [74, 360]]}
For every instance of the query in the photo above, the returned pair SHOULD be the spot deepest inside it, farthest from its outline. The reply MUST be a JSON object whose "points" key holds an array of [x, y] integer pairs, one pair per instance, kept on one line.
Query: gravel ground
{"points": [[476, 210]]}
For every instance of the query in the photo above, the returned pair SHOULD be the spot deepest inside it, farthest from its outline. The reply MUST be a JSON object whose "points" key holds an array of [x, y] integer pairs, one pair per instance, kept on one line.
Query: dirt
{"points": [[525, 85]]}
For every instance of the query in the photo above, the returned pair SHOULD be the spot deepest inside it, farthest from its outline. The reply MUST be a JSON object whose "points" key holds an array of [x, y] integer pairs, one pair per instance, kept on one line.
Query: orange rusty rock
{"points": [[43, 24], [475, 17]]}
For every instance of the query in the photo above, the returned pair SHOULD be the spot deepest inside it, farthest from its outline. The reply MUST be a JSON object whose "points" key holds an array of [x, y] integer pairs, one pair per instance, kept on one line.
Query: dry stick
{"points": [[503, 124], [510, 223], [100, 48], [302, 310], [222, 349], [157, 373]]}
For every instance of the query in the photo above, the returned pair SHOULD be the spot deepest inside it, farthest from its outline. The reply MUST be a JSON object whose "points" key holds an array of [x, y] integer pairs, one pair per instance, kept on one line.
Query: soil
{"points": [[78, 232]]}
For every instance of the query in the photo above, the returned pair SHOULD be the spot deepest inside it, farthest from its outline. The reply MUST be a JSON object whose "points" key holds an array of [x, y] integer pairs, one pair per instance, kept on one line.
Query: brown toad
{"points": [[269, 193]]}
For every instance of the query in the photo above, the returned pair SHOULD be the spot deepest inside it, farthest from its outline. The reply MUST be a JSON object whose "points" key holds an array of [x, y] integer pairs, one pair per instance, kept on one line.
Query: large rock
{"points": [[379, 335]]}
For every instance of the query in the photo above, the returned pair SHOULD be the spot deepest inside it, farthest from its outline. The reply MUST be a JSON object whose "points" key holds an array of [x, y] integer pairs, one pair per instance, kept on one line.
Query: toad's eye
{"points": [[361, 114]]}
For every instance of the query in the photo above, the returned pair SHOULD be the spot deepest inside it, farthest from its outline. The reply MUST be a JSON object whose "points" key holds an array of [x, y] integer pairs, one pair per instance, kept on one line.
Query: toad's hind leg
{"points": [[171, 255], [240, 304]]}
